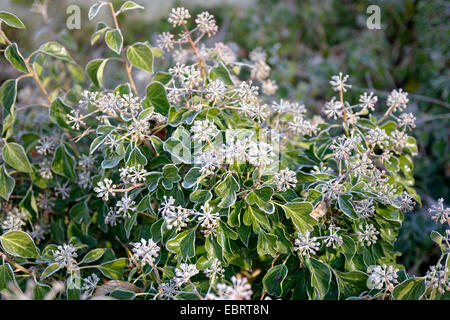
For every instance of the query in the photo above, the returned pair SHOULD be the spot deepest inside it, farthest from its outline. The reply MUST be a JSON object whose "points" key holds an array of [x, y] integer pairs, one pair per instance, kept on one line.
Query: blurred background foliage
{"points": [[307, 42]]}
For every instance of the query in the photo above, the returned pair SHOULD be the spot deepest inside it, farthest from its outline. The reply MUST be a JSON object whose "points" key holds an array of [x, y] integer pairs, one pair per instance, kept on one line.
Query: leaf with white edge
{"points": [[7, 184], [8, 94], [95, 8], [114, 40], [300, 214], [15, 156], [19, 243], [273, 280], [56, 50], [63, 163], [113, 269], [346, 206], [261, 197], [183, 244], [140, 55], [130, 5], [11, 20], [13, 55], [320, 276], [51, 269], [226, 190], [411, 289], [136, 158], [156, 94], [94, 70], [93, 255], [58, 113], [350, 283], [221, 73], [100, 30]]}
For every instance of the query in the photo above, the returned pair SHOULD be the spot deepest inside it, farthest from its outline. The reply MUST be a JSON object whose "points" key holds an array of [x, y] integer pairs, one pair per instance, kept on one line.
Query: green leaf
{"points": [[140, 55], [346, 206], [156, 94], [183, 244], [351, 283], [267, 244], [6, 276], [260, 197], [320, 276], [63, 163], [114, 40], [56, 50], [94, 70], [100, 30], [221, 73], [411, 289], [19, 243], [13, 55], [130, 5], [226, 190], [8, 94], [273, 279], [58, 113], [14, 155], [93, 255], [51, 269], [7, 184], [135, 158], [11, 20], [300, 213], [95, 8], [190, 179], [113, 269]]}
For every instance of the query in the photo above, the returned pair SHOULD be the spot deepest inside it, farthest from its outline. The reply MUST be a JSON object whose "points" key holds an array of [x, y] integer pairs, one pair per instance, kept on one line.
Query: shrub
{"points": [[203, 187]]}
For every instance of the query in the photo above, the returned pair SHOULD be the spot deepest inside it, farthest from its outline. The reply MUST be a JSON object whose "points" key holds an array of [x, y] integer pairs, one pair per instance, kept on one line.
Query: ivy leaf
{"points": [[94, 70], [13, 55], [19, 243], [221, 73], [93, 255], [136, 158], [266, 244], [183, 244], [300, 214], [51, 269], [320, 276], [8, 94], [7, 184], [273, 280], [191, 178], [411, 289], [114, 40], [113, 269], [351, 283], [226, 190], [346, 206], [11, 20], [156, 94], [14, 155], [130, 5], [58, 113], [63, 163], [261, 197], [140, 55], [95, 8], [6, 276], [56, 50]]}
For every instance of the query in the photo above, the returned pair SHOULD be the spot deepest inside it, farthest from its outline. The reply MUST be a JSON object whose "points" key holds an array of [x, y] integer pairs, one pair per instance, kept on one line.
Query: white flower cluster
{"points": [[437, 278], [439, 213], [65, 255], [174, 216], [145, 252], [105, 188], [367, 234], [382, 277], [239, 290]]}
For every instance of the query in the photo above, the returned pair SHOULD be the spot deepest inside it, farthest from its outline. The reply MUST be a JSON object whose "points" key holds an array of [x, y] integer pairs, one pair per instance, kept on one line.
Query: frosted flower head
{"points": [[105, 188], [285, 179], [333, 238], [397, 100], [439, 213], [145, 252], [367, 234], [46, 146], [125, 205], [206, 23], [65, 255], [185, 272], [203, 130], [90, 284], [215, 91], [339, 82], [209, 221], [165, 41], [247, 92], [407, 120], [368, 101], [62, 191], [239, 290], [12, 222], [112, 217], [305, 244], [378, 137], [269, 87], [178, 16], [382, 277], [215, 270], [333, 109], [364, 208], [437, 279]]}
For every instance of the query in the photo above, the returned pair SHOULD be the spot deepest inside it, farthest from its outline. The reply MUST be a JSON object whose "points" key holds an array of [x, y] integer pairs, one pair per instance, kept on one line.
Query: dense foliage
{"points": [[203, 187]]}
